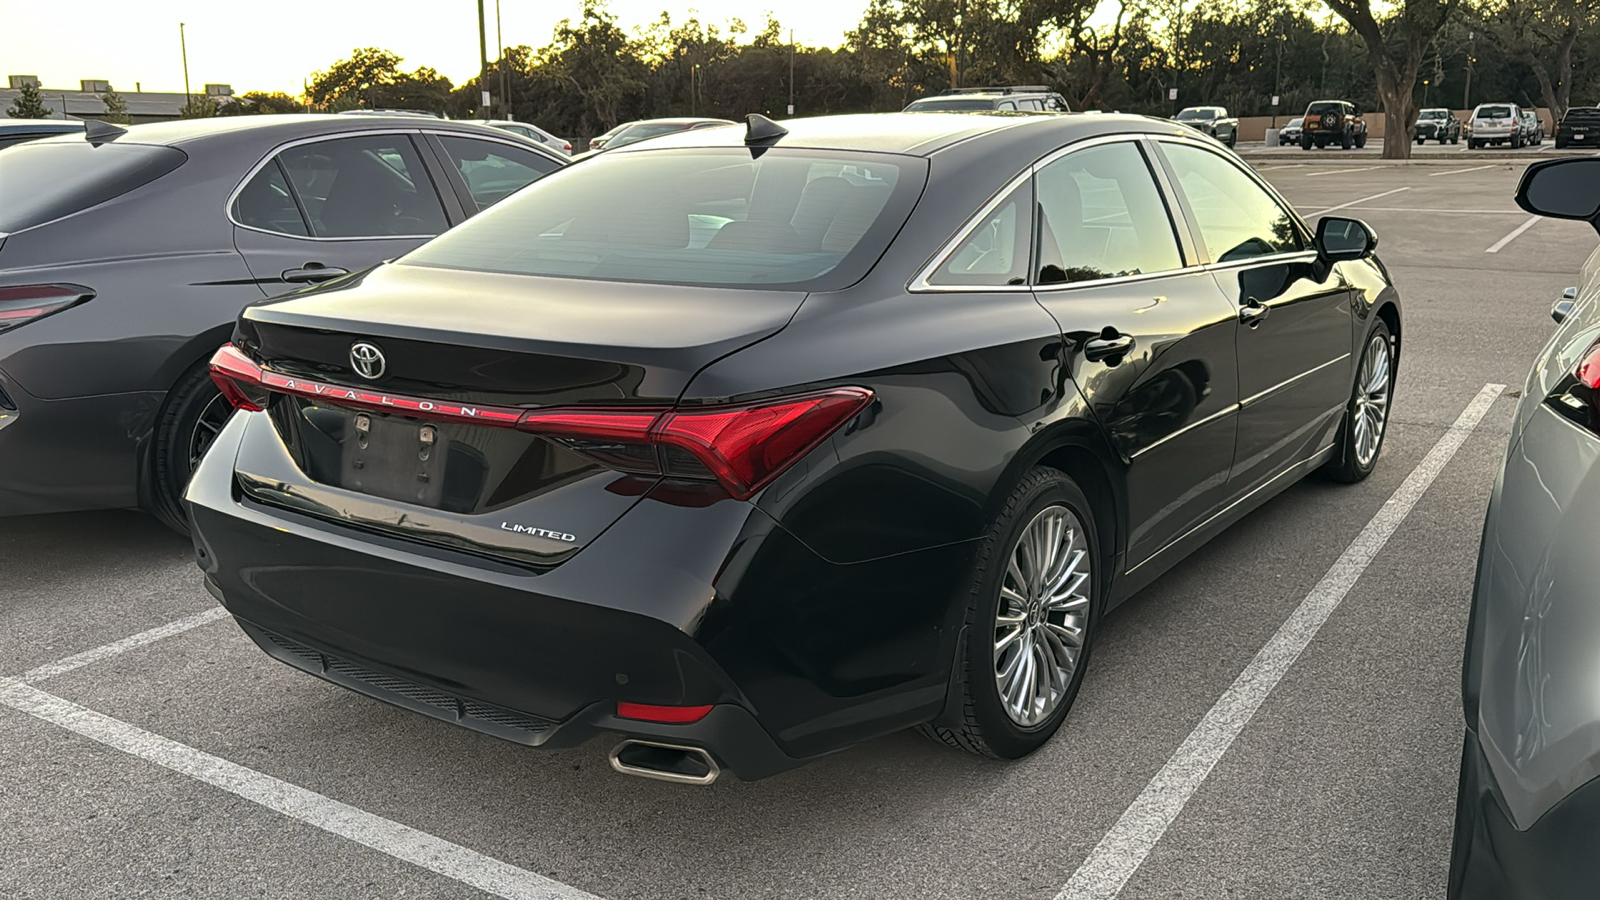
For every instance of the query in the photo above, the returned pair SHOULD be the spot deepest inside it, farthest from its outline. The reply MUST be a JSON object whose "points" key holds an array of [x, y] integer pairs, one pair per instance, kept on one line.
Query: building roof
{"points": [[92, 105]]}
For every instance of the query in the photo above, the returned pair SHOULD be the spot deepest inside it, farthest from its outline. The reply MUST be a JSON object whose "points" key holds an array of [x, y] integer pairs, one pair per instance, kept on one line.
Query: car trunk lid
{"points": [[397, 393]]}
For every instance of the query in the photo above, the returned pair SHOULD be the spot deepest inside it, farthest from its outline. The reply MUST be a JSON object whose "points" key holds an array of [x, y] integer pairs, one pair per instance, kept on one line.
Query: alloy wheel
{"points": [[1371, 411], [1043, 616], [207, 427]]}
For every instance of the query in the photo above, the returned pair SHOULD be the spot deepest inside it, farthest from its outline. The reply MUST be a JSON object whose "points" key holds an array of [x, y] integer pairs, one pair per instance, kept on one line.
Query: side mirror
{"points": [[1342, 240], [1563, 307], [1562, 189]]}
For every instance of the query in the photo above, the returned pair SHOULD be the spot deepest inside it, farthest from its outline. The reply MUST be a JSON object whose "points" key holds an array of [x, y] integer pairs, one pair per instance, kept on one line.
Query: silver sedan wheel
{"points": [[1043, 615], [1372, 400]]}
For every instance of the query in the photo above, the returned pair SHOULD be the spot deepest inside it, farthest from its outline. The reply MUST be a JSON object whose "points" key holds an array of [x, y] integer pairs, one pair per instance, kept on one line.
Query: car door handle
{"points": [[311, 273], [1253, 312], [1109, 345]]}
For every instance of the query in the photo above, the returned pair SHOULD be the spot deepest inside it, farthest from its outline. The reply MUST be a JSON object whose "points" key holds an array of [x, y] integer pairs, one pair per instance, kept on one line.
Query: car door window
{"points": [[1237, 218], [369, 186], [996, 251], [1100, 215], [494, 171], [266, 203]]}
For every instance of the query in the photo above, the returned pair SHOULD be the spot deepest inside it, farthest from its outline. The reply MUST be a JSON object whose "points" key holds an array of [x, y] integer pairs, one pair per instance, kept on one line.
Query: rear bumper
{"points": [[674, 605], [1491, 860]]}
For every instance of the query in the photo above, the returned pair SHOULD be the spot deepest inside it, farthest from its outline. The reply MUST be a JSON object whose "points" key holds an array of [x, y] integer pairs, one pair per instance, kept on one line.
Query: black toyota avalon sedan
{"points": [[752, 443]]}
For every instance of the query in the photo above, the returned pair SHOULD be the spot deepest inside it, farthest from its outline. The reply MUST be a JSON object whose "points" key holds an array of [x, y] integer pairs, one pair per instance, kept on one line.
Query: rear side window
{"points": [[1100, 215], [792, 219], [996, 251], [955, 104], [364, 187], [1494, 112], [43, 181]]}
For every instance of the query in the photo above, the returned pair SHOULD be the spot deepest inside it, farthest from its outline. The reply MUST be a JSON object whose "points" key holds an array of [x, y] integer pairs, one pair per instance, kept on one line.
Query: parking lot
{"points": [[184, 762]]}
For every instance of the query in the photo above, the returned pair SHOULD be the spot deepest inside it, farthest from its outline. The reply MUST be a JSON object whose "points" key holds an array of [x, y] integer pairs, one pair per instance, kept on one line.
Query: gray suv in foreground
{"points": [[1528, 809], [127, 254]]}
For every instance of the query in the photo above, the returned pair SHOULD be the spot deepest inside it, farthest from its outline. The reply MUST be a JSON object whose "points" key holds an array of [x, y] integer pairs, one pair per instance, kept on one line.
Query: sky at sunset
{"points": [[274, 45]]}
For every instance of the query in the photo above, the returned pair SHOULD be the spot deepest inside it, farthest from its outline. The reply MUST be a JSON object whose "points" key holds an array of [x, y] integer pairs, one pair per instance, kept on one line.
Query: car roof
{"points": [[918, 133], [682, 120], [283, 127]]}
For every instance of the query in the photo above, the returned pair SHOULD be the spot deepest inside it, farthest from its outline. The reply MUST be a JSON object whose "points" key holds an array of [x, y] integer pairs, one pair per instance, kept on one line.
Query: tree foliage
{"points": [[1391, 55], [29, 104], [257, 103], [116, 108]]}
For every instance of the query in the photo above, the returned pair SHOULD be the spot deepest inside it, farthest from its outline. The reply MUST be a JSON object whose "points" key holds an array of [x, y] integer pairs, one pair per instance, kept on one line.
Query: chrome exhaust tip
{"points": [[664, 762]]}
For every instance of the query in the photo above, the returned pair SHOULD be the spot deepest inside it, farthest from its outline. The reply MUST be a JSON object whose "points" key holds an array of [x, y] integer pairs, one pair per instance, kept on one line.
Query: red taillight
{"points": [[743, 447], [668, 715], [239, 379], [1588, 371], [568, 147], [23, 303]]}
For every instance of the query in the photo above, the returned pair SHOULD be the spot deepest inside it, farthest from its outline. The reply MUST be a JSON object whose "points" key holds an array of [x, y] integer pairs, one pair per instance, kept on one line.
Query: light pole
{"points": [[183, 45], [1472, 49], [483, 59], [500, 50], [791, 71]]}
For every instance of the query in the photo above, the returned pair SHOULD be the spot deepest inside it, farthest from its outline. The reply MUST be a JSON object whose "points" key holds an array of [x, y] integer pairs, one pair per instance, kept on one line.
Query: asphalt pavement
{"points": [[188, 764]]}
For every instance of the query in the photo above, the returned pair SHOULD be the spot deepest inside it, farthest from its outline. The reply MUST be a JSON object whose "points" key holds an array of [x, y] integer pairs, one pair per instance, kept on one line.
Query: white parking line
{"points": [[1459, 171], [1500, 244], [399, 841], [1318, 212], [1343, 171], [1124, 848], [402, 842], [1472, 212]]}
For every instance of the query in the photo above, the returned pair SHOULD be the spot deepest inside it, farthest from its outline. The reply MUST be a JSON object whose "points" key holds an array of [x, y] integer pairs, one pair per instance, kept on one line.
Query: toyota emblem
{"points": [[367, 360]]}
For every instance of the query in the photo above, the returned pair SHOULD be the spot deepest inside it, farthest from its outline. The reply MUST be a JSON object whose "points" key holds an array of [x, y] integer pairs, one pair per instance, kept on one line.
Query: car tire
{"points": [[1345, 141], [1421, 141], [195, 411], [1003, 717], [1366, 415], [1361, 141], [1456, 139], [1305, 143]]}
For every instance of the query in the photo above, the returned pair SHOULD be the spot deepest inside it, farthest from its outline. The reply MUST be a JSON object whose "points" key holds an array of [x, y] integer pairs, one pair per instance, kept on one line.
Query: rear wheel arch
{"points": [[1078, 448]]}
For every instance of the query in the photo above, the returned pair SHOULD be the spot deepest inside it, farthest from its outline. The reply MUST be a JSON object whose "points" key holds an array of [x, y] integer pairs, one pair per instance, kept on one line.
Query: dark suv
{"points": [[1025, 98], [1580, 127], [1335, 122]]}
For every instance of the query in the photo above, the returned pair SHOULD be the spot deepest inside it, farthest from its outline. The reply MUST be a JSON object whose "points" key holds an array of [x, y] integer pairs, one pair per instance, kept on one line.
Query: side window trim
{"points": [[463, 207], [1193, 221]]}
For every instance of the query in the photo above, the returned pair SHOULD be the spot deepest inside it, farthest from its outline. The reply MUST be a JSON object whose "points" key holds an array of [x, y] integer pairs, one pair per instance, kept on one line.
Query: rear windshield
{"points": [[1582, 113], [1434, 114], [949, 103], [1189, 114], [636, 133], [1317, 109], [42, 181], [790, 219], [1494, 112]]}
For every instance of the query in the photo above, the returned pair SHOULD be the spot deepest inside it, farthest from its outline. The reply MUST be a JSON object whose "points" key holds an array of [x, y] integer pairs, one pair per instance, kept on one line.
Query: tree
{"points": [[29, 105], [116, 108], [372, 78], [1396, 47], [256, 103], [1542, 36], [199, 107]]}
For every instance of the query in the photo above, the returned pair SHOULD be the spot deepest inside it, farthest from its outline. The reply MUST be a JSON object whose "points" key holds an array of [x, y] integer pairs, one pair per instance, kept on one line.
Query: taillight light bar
{"points": [[24, 303], [742, 446], [668, 715]]}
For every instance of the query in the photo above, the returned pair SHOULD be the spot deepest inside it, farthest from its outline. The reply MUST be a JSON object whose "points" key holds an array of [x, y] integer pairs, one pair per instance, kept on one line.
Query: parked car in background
{"points": [[1290, 133], [602, 140], [391, 112], [633, 132], [1017, 98], [1495, 123], [126, 257], [1212, 120], [16, 131], [1437, 125], [1528, 802], [1532, 128], [624, 455], [1580, 127], [1336, 123], [533, 133]]}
